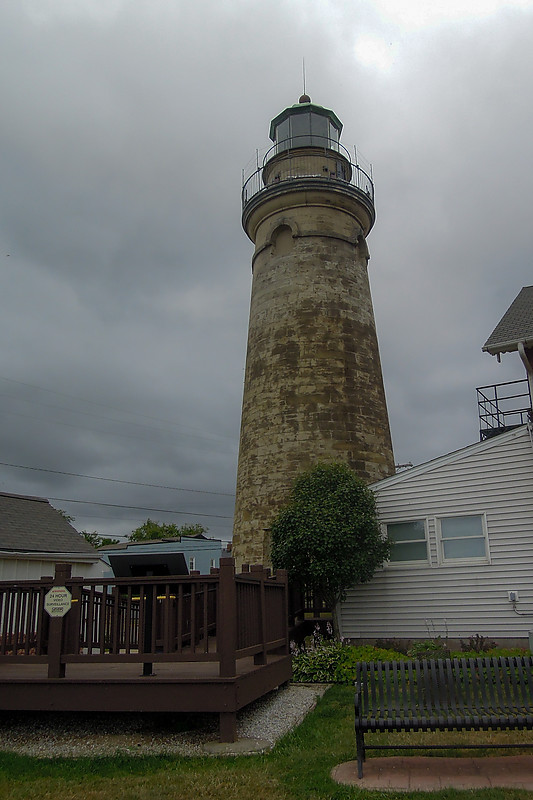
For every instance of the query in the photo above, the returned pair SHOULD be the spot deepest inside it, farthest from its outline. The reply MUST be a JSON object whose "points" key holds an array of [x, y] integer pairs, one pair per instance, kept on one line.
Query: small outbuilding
{"points": [[34, 537], [178, 555]]}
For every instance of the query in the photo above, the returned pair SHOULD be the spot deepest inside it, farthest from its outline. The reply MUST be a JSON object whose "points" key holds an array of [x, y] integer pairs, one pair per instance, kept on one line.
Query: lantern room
{"points": [[305, 125]]}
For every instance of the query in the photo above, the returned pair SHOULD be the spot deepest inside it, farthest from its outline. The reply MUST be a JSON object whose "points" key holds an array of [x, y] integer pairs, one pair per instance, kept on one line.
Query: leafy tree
{"points": [[98, 541], [160, 530], [93, 538], [64, 514], [328, 536]]}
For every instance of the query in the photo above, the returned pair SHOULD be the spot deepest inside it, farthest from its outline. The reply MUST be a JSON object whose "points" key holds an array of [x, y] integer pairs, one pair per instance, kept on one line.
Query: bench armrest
{"points": [[357, 702]]}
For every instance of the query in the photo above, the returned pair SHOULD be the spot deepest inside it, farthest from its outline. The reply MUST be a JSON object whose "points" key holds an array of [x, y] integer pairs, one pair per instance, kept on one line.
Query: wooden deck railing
{"points": [[217, 617]]}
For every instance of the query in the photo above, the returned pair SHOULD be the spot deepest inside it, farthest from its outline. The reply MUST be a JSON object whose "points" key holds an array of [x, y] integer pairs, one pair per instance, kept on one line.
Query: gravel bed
{"points": [[69, 735]]}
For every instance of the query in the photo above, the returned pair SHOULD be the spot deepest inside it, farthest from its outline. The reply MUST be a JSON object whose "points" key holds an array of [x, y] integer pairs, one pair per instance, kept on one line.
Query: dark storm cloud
{"points": [[125, 275], [450, 249]]}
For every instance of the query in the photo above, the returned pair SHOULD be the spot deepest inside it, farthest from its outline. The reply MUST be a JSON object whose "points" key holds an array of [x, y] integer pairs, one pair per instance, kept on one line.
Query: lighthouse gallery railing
{"points": [[295, 164]]}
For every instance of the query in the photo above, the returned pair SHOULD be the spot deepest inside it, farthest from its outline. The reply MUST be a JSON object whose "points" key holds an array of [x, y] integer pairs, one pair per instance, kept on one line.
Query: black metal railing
{"points": [[325, 159], [503, 406]]}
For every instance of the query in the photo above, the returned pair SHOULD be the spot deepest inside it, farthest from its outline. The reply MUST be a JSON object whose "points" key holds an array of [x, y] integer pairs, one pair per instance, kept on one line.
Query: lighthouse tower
{"points": [[313, 386]]}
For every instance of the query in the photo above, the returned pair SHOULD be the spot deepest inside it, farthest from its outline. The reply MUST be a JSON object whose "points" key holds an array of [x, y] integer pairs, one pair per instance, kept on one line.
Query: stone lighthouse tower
{"points": [[313, 387]]}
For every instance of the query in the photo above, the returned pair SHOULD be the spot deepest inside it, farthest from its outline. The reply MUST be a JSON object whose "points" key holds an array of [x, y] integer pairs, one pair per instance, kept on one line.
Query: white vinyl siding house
{"points": [[23, 566], [463, 531], [34, 537]]}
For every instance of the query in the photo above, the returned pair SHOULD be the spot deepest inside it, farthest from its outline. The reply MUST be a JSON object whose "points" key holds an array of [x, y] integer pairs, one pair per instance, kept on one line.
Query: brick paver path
{"points": [[425, 773]]}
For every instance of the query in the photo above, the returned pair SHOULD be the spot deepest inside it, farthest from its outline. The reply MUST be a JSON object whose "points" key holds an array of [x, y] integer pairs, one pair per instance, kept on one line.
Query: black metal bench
{"points": [[445, 694]]}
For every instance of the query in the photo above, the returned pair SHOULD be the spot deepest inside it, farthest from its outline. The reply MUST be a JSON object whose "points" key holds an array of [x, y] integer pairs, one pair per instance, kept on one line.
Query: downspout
{"points": [[526, 354]]}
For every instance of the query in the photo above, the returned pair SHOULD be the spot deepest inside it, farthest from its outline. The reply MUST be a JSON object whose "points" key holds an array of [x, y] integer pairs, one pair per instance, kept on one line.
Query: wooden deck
{"points": [[214, 645]]}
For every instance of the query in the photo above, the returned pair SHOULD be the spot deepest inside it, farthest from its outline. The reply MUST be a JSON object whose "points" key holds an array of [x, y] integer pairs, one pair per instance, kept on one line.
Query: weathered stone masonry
{"points": [[313, 386]]}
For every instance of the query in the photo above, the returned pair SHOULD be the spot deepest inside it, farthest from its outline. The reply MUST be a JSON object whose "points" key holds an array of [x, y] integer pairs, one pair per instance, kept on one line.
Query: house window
{"points": [[409, 542], [213, 563], [192, 563], [463, 538]]}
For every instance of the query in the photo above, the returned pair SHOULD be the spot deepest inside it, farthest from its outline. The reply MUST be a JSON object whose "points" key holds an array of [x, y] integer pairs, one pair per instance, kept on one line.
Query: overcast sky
{"points": [[124, 271]]}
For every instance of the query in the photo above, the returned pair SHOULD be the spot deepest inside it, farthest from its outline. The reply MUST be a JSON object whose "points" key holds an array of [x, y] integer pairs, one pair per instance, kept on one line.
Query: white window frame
{"points": [[419, 562], [192, 563], [485, 559]]}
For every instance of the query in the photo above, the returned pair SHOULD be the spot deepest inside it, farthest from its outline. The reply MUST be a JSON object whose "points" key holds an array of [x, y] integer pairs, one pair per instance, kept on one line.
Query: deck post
{"points": [[228, 726], [281, 576], [72, 621], [55, 631], [227, 618], [259, 571], [148, 667]]}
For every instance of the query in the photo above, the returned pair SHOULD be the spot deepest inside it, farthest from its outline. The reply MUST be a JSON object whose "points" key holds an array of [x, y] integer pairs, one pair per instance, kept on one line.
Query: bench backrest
{"points": [[457, 686]]}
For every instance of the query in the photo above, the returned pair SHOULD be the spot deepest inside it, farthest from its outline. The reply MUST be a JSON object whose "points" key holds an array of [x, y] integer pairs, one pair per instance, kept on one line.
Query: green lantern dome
{"points": [[306, 124]]}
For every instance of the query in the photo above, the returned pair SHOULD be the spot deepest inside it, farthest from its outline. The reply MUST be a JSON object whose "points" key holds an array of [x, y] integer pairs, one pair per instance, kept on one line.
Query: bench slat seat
{"points": [[444, 694]]}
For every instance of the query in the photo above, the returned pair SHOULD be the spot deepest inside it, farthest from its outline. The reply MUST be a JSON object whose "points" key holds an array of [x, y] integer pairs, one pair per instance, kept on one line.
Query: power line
{"points": [[213, 438], [219, 442], [213, 526], [138, 508], [111, 407], [222, 529], [116, 480]]}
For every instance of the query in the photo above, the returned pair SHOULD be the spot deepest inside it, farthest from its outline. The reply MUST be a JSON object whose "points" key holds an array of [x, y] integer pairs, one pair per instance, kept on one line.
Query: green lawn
{"points": [[297, 769]]}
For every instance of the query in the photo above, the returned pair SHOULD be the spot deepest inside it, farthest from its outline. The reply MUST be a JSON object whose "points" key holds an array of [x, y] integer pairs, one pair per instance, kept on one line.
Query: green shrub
{"points": [[329, 661], [317, 664], [477, 644], [370, 652], [398, 645], [346, 668], [322, 660], [430, 648], [494, 652]]}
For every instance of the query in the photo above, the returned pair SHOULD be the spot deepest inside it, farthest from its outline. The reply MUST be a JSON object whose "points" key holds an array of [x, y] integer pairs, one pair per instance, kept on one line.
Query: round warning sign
{"points": [[57, 601]]}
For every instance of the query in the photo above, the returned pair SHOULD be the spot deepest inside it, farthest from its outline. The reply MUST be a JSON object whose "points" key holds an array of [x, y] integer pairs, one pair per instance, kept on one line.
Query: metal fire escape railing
{"points": [[503, 406]]}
